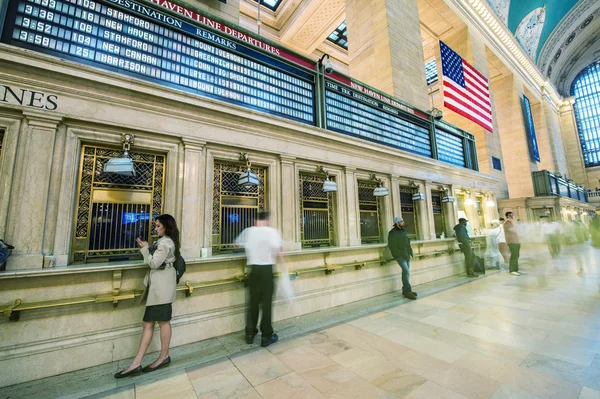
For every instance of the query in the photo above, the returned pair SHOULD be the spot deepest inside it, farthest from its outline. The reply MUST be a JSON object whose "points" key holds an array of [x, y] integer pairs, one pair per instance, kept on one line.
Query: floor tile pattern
{"points": [[501, 336]]}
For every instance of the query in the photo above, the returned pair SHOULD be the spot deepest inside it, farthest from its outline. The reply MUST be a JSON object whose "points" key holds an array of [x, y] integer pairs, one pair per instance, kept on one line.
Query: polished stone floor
{"points": [[502, 336]]}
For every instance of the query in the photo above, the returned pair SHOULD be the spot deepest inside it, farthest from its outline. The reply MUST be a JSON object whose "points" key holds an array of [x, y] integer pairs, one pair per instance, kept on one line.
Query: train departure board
{"points": [[138, 40], [356, 114], [450, 148]]}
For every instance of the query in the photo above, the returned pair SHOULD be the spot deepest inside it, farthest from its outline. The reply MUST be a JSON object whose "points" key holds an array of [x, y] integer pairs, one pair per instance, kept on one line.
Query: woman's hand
{"points": [[141, 243]]}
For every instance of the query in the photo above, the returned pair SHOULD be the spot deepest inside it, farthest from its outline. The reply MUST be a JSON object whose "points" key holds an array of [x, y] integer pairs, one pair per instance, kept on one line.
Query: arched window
{"points": [[586, 90]]}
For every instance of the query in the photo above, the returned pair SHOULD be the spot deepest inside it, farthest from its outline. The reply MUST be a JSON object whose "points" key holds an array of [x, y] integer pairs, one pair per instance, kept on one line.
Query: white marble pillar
{"points": [[289, 204], [427, 212], [194, 199], [352, 236], [421, 214], [28, 229]]}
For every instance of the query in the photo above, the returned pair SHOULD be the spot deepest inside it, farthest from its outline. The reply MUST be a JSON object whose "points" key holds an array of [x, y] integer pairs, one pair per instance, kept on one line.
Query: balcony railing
{"points": [[547, 183]]}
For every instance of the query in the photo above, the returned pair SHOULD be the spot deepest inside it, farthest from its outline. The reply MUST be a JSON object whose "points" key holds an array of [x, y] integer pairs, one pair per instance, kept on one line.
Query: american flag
{"points": [[466, 91]]}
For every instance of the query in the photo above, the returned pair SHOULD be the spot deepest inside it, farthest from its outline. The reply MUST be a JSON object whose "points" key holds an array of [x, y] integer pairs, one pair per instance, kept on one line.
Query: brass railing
{"points": [[13, 311]]}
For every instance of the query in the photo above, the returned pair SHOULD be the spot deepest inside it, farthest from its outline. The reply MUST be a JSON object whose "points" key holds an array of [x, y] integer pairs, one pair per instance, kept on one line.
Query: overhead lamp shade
{"points": [[248, 179], [447, 199], [469, 201], [329, 186], [120, 166], [381, 191], [490, 204], [418, 197]]}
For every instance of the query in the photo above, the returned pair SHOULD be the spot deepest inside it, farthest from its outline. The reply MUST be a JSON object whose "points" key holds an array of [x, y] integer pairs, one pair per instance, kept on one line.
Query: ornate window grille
{"points": [[316, 212], [438, 213], [113, 210], [407, 206], [369, 208], [234, 207], [480, 212]]}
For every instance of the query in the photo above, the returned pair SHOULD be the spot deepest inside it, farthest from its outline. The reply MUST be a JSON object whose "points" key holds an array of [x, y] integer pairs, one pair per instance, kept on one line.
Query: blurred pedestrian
{"points": [[263, 248], [514, 245]]}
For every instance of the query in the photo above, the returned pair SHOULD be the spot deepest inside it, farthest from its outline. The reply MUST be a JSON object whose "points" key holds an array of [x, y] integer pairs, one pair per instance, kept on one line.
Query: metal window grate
{"points": [[340, 36], [316, 212], [370, 221], [407, 206], [438, 214], [234, 207], [431, 73], [113, 210], [586, 90]]}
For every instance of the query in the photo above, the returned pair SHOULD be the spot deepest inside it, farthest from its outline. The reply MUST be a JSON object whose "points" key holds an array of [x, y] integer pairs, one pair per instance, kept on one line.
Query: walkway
{"points": [[534, 336]]}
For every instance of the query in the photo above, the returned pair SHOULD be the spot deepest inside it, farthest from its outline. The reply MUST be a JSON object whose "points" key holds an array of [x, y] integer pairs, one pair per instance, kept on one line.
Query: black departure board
{"points": [[131, 38], [357, 115], [450, 148]]}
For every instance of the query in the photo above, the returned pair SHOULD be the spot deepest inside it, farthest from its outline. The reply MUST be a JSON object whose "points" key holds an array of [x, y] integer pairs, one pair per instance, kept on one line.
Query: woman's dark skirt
{"points": [[158, 312]]}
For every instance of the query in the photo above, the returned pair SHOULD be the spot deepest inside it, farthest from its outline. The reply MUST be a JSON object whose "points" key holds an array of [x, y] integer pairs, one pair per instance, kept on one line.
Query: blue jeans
{"points": [[405, 266]]}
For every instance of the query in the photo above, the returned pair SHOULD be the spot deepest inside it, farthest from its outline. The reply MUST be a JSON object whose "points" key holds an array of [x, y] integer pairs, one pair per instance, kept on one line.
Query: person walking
{"points": [[263, 248], [159, 295], [502, 245], [551, 232], [514, 245], [399, 244], [464, 243]]}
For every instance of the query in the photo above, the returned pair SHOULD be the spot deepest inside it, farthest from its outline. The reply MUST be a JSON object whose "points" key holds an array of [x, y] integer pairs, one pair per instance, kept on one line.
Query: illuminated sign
{"points": [[131, 38]]}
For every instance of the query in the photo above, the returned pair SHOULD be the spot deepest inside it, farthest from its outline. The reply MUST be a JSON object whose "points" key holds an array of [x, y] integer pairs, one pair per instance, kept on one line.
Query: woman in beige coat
{"points": [[160, 282]]}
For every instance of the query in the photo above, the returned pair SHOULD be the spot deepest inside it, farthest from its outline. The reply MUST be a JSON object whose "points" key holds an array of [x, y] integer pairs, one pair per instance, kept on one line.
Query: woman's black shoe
{"points": [[164, 363], [132, 373]]}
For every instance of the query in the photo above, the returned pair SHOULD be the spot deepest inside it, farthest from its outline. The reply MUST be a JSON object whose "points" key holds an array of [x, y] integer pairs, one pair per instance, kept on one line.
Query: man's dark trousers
{"points": [[261, 287], [515, 250], [468, 252], [405, 266]]}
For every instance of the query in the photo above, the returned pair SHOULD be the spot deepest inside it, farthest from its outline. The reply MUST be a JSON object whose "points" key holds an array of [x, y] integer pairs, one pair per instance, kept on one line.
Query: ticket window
{"points": [[438, 213]]}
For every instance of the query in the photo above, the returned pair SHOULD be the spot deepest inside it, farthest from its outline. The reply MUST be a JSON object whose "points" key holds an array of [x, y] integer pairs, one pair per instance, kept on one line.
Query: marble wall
{"points": [[39, 176]]}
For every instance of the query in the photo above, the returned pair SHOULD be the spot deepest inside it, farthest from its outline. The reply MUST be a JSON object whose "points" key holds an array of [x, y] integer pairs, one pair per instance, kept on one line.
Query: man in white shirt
{"points": [[263, 246], [551, 231]]}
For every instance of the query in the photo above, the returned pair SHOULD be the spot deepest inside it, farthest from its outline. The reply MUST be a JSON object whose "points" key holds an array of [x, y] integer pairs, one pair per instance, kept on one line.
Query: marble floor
{"points": [[501, 336]]}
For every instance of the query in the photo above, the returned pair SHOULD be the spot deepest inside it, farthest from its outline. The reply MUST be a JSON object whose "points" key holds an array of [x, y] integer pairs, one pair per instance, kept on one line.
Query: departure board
{"points": [[355, 114], [134, 39], [450, 148]]}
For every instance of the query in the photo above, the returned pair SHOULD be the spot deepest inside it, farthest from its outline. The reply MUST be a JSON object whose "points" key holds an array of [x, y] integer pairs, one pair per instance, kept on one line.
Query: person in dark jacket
{"points": [[464, 243], [399, 244]]}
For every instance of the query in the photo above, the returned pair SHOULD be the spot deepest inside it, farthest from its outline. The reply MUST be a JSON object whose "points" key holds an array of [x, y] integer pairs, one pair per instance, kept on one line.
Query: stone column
{"points": [[385, 48], [352, 236], [426, 212], [421, 215], [289, 204], [450, 215], [395, 193], [572, 144], [557, 142], [515, 148], [28, 229], [193, 202]]}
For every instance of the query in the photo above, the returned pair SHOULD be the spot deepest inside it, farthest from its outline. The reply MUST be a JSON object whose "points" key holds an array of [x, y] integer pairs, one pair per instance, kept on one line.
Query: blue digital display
{"points": [[137, 40]]}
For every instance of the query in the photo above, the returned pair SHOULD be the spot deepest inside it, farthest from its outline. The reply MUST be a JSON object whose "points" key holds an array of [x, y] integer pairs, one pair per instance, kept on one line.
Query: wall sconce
{"points": [[380, 190], [248, 178], [446, 198], [488, 203], [468, 201], [418, 196], [328, 185], [328, 64], [122, 166]]}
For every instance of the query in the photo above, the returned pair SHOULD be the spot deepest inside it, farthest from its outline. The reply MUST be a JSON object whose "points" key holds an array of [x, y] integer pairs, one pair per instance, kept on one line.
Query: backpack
{"points": [[179, 267]]}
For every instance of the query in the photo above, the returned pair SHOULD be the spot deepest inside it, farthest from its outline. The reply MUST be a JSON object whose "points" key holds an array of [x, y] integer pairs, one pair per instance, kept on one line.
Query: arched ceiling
{"points": [[555, 11]]}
